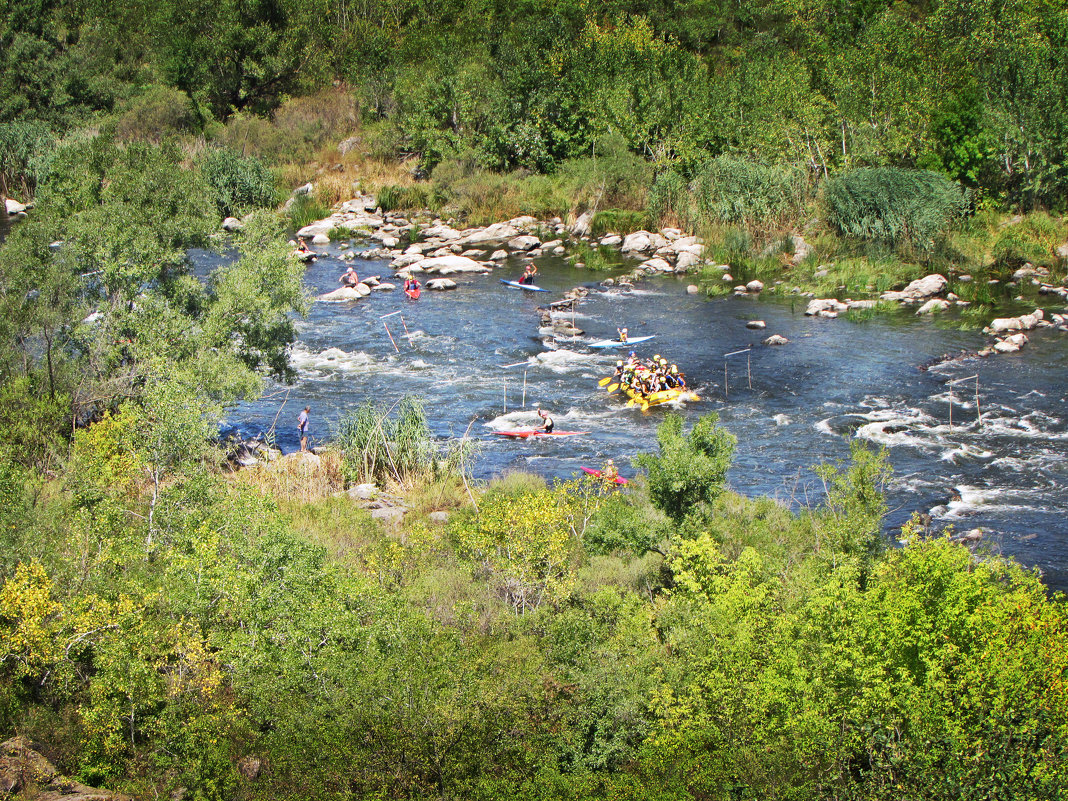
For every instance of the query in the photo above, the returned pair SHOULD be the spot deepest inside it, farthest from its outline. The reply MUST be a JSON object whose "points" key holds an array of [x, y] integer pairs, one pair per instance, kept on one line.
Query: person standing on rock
{"points": [[302, 428], [349, 278]]}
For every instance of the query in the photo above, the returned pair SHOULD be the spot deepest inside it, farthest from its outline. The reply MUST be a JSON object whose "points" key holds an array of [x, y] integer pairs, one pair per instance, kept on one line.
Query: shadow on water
{"points": [[476, 357]]}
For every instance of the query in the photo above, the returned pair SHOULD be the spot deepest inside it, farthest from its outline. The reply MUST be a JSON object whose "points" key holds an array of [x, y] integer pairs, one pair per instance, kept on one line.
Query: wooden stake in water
{"points": [[390, 337], [724, 379], [407, 333], [524, 389], [506, 396], [749, 367]]}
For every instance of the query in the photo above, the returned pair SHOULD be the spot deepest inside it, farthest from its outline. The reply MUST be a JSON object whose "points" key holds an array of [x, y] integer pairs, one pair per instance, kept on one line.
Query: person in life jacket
{"points": [[411, 283], [547, 423], [622, 335], [528, 274]]}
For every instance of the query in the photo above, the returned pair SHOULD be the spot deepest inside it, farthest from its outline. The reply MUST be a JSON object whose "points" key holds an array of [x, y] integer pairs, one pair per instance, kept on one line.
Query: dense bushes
{"points": [[240, 183], [903, 208], [525, 649], [158, 113]]}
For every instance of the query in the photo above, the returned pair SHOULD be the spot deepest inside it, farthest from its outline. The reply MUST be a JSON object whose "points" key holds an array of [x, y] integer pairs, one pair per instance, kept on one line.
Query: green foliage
{"points": [[904, 208], [239, 184], [24, 154], [619, 221], [378, 447], [689, 471], [624, 522], [158, 113], [734, 190], [306, 210], [525, 541], [393, 197], [855, 503]]}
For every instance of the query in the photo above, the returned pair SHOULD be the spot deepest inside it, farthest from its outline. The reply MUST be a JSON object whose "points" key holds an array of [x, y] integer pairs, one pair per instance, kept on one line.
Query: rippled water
{"points": [[835, 380]]}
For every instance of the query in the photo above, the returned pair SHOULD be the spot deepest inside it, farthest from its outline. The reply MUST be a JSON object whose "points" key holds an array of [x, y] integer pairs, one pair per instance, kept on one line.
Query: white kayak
{"points": [[517, 285], [615, 343]]}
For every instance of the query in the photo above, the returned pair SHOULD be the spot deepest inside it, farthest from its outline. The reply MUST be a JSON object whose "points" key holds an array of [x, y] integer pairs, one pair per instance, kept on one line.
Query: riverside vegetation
{"points": [[162, 620]]}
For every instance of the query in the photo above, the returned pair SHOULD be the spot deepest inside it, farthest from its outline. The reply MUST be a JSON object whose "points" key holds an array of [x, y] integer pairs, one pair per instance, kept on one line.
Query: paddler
{"points": [[620, 369], [349, 277], [676, 378], [609, 474], [528, 275], [411, 284], [622, 335], [547, 423], [302, 246]]}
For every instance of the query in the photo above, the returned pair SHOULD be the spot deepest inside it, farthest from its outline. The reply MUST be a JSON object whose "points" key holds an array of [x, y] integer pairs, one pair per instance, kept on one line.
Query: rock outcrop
{"points": [[24, 771]]}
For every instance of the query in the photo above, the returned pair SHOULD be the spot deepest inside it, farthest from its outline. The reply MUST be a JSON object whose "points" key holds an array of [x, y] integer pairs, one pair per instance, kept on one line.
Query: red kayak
{"points": [[413, 293], [525, 434], [592, 472]]}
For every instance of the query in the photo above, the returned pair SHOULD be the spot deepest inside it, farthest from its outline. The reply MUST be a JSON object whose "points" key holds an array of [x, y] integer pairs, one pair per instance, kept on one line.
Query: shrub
{"points": [[669, 199], [156, 114], [690, 471], [239, 183], [730, 189], [911, 208]]}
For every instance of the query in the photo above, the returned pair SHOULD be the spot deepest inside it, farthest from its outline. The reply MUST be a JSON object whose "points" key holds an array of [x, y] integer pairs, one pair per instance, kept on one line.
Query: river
{"points": [[790, 407]]}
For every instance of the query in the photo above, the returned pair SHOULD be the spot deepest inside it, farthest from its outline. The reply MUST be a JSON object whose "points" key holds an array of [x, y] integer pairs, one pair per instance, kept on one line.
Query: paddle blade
{"points": [[604, 381], [613, 387], [630, 403]]}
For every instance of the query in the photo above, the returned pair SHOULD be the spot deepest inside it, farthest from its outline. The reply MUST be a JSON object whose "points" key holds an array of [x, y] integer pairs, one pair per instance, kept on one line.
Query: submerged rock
{"points": [[441, 284]]}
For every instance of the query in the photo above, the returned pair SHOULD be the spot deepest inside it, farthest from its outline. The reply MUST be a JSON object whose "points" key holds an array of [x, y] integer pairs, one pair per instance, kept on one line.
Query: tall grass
{"points": [[381, 448], [305, 210]]}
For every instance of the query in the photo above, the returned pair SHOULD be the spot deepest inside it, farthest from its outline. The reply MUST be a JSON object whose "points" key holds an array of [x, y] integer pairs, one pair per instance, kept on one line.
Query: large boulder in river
{"points": [[920, 289], [406, 260], [638, 242], [825, 307], [447, 265], [441, 284], [524, 243], [345, 293], [1025, 322]]}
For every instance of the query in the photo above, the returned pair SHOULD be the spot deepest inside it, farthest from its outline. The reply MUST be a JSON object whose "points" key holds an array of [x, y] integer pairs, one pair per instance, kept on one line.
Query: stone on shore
{"points": [[26, 773], [932, 306], [320, 239], [406, 260], [447, 265], [754, 286], [920, 289], [524, 243], [14, 207], [692, 289], [498, 232], [825, 307], [232, 224]]}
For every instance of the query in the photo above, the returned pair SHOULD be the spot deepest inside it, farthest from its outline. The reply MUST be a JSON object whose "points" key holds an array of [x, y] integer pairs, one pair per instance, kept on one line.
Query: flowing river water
{"points": [[476, 358]]}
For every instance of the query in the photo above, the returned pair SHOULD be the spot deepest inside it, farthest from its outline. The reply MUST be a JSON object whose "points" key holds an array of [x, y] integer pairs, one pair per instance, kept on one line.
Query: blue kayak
{"points": [[517, 285], [615, 343]]}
